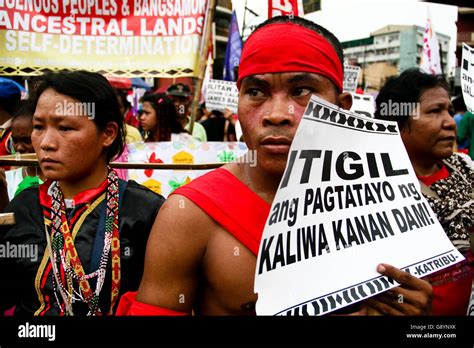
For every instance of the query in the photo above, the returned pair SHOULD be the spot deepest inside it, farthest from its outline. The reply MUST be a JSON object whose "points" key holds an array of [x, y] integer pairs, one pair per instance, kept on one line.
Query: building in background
{"points": [[389, 51], [310, 6]]}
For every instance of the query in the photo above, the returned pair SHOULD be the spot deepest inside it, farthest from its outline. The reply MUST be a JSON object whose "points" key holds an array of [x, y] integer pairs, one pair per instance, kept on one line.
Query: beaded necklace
{"points": [[63, 253]]}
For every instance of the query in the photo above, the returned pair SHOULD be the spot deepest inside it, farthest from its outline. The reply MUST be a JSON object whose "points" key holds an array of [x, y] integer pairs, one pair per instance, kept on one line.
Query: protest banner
{"points": [[118, 37], [221, 95], [348, 200], [284, 8], [351, 78], [363, 104], [467, 76], [185, 151]]}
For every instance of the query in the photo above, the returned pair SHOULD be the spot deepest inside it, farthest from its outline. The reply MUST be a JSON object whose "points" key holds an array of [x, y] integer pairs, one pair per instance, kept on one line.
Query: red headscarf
{"points": [[289, 47]]}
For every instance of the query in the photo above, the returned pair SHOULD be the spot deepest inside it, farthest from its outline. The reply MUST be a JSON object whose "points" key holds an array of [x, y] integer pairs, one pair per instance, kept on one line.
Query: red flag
{"points": [[282, 8]]}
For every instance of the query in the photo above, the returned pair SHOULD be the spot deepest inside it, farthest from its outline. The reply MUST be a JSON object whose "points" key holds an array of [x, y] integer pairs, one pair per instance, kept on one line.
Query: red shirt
{"points": [[451, 296], [441, 174]]}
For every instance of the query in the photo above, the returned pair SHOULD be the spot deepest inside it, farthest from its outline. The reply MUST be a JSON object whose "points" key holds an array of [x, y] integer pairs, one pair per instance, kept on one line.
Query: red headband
{"points": [[288, 47]]}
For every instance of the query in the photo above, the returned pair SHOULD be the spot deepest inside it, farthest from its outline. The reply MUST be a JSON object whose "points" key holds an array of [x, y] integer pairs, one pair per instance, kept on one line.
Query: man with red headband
{"points": [[201, 254]]}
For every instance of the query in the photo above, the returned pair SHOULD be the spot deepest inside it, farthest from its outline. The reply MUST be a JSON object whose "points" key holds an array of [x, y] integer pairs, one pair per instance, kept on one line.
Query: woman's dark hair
{"points": [[330, 37], [87, 87], [122, 97], [458, 104], [24, 110], [166, 116], [401, 91]]}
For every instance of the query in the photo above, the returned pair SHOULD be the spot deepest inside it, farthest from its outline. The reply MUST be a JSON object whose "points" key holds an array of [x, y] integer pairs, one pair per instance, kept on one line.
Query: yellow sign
{"points": [[153, 185], [183, 157], [116, 37]]}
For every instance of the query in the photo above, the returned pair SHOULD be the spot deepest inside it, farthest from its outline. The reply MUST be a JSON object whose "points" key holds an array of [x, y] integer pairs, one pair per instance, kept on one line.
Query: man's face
{"points": [[181, 104], [21, 135], [431, 135], [270, 110], [69, 147]]}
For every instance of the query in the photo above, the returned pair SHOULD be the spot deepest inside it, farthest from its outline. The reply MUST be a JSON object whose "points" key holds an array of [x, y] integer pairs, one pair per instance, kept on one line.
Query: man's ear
{"points": [[344, 100], [110, 133]]}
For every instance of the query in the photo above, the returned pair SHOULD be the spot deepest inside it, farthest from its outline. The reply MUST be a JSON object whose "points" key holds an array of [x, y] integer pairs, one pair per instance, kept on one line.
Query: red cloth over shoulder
{"points": [[231, 204], [131, 307]]}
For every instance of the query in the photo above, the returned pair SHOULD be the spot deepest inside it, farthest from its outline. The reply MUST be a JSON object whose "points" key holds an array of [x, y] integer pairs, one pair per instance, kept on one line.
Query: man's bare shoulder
{"points": [[180, 214], [175, 249], [186, 244], [181, 211]]}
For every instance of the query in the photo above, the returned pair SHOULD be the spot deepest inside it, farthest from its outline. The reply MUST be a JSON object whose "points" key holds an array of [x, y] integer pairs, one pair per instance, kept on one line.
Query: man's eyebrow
{"points": [[302, 77], [438, 104], [256, 81]]}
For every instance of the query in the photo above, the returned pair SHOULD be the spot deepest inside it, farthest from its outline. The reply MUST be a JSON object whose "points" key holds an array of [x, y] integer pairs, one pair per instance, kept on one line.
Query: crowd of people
{"points": [[110, 247]]}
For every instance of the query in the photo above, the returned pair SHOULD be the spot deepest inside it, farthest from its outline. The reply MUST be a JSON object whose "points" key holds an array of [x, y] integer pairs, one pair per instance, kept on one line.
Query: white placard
{"points": [[351, 77], [363, 104], [467, 76], [348, 200], [221, 95]]}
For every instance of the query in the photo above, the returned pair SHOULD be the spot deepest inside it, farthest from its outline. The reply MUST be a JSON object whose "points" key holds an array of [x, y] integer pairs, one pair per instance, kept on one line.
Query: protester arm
{"points": [[173, 258], [229, 116]]}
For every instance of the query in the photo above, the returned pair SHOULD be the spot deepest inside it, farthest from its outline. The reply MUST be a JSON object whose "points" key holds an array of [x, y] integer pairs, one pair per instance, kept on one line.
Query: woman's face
{"points": [[148, 119], [69, 145], [432, 132]]}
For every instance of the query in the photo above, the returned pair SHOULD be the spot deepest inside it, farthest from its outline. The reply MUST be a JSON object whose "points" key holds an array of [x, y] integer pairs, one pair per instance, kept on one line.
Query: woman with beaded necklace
{"points": [[88, 236], [446, 179]]}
